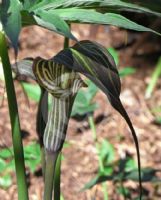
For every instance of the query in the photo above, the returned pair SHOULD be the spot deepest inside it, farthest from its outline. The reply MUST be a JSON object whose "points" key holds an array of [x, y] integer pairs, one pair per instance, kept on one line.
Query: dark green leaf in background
{"points": [[11, 20], [148, 175]]}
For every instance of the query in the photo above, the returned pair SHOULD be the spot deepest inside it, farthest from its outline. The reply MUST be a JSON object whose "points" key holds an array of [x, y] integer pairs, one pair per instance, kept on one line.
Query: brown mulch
{"points": [[81, 162]]}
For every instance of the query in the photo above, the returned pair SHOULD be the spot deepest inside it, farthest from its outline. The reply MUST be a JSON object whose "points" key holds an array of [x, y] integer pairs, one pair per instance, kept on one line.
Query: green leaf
{"points": [[32, 149], [107, 152], [130, 165], [123, 191], [33, 91], [152, 5], [32, 156], [11, 165], [83, 103], [76, 11], [47, 20], [11, 20], [29, 3], [148, 175], [126, 71], [102, 5], [2, 165], [81, 109], [158, 120], [6, 153], [82, 16], [53, 22], [5, 181], [114, 54]]}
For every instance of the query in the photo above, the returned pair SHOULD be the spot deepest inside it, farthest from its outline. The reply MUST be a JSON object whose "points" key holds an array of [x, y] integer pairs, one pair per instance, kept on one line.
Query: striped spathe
{"points": [[63, 84]]}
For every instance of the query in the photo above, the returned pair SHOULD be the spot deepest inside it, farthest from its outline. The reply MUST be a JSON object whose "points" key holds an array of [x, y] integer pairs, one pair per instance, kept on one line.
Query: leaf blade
{"points": [[94, 17], [11, 20], [53, 22]]}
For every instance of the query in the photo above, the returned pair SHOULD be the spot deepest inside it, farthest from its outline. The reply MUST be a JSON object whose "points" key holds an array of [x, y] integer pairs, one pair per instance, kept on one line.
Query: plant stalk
{"points": [[51, 159], [57, 179], [154, 79], [14, 120]]}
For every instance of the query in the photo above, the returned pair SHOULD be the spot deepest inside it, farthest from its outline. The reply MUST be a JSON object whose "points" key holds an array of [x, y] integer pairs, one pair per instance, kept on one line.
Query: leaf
{"points": [[152, 5], [53, 22], [97, 4], [33, 91], [148, 175], [47, 20], [32, 156], [107, 152], [6, 153], [11, 20], [114, 54], [29, 3], [32, 150], [81, 109], [127, 71], [76, 11], [123, 191], [83, 103], [130, 165], [5, 181], [82, 16], [96, 63], [2, 165]]}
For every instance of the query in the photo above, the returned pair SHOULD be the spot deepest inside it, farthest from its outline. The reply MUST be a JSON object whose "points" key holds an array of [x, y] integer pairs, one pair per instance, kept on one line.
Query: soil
{"points": [[81, 161]]}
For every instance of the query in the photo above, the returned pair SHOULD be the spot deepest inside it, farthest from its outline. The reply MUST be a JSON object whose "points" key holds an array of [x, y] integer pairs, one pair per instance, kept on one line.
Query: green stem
{"points": [[94, 134], [57, 179], [154, 79], [43, 162], [101, 166], [66, 40], [51, 159], [14, 119]]}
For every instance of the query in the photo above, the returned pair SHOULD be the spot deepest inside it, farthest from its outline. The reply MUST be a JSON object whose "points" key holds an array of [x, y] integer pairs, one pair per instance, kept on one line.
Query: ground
{"points": [[81, 162]]}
